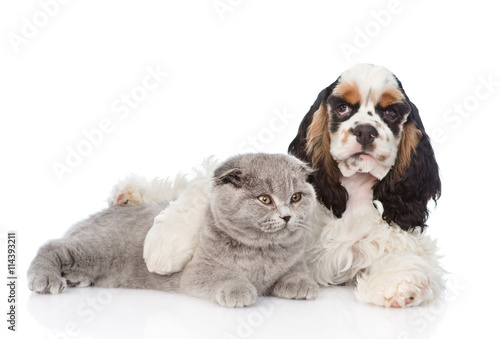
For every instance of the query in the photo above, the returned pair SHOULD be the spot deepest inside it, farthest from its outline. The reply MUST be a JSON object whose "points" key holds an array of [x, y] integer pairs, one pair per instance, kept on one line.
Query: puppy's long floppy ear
{"points": [[312, 145], [414, 179]]}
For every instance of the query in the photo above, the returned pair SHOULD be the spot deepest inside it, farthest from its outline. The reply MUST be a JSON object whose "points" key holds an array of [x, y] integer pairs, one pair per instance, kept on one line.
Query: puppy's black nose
{"points": [[286, 218], [365, 134]]}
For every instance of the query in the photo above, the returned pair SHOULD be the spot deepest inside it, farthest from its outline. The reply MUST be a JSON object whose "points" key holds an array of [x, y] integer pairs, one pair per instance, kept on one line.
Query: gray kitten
{"points": [[252, 242]]}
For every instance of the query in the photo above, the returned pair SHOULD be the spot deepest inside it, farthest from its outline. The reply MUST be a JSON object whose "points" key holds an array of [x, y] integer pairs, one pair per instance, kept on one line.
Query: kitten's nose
{"points": [[286, 218]]}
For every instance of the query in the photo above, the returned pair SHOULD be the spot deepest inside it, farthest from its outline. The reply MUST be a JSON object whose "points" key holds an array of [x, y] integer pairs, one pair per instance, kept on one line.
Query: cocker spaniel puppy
{"points": [[375, 172]]}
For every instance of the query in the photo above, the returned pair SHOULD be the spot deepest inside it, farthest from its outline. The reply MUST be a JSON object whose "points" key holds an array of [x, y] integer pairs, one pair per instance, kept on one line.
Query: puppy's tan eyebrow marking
{"points": [[390, 97], [349, 92]]}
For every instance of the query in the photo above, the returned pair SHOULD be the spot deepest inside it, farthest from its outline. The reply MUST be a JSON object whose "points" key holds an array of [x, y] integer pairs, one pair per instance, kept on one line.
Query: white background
{"points": [[245, 73]]}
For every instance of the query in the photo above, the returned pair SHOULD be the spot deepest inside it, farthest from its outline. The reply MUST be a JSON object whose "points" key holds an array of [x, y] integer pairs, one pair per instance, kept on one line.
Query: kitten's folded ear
{"points": [[228, 173]]}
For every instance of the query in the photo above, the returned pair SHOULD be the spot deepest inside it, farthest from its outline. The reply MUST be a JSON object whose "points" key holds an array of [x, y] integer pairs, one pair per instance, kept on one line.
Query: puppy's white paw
{"points": [[127, 196], [129, 191], [396, 289], [406, 293]]}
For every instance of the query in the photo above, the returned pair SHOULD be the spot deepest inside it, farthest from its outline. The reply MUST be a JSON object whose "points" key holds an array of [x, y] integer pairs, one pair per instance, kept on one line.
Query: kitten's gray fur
{"points": [[247, 248]]}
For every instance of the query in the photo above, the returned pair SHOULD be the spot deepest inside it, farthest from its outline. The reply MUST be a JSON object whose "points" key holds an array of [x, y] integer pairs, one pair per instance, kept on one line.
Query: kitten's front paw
{"points": [[77, 280], [46, 282], [236, 294], [296, 287]]}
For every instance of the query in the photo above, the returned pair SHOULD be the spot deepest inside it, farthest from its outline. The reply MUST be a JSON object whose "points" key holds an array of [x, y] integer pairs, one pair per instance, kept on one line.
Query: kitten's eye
{"points": [[343, 109], [265, 199], [296, 197]]}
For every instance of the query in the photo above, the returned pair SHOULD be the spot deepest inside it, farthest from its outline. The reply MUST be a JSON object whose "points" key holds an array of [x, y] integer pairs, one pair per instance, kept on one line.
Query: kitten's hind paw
{"points": [[46, 282], [293, 287], [236, 294]]}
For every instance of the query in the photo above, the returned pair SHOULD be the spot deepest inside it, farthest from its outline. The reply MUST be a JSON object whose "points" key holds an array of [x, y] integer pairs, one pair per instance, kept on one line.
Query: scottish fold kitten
{"points": [[252, 242]]}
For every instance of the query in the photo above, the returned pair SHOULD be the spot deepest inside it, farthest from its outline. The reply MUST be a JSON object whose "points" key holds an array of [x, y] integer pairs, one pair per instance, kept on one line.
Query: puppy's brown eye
{"points": [[296, 197], [391, 114], [265, 199], [343, 109]]}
